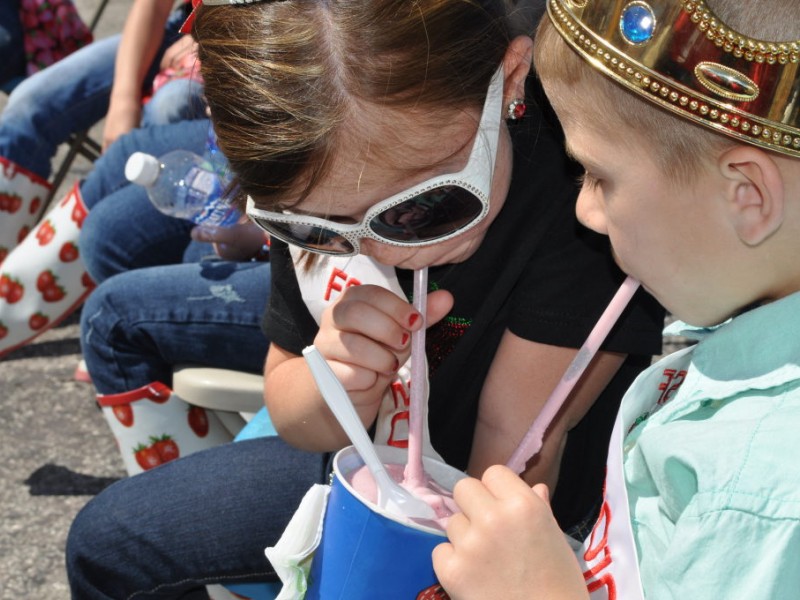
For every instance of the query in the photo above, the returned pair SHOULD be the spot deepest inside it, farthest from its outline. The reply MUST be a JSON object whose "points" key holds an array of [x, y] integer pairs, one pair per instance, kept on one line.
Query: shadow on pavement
{"points": [[63, 346], [55, 480], [52, 348]]}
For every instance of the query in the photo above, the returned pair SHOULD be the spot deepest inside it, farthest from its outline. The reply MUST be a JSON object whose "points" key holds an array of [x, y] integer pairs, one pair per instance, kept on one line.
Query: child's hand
{"points": [[238, 242], [366, 334], [506, 543]]}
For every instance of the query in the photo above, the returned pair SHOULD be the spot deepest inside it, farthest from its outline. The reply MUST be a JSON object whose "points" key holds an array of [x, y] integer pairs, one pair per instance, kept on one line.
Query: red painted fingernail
{"points": [[413, 319], [405, 339], [396, 363]]}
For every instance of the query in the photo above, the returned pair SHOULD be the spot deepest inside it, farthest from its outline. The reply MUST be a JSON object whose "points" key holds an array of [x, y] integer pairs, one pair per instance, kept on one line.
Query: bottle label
{"points": [[200, 185], [204, 190], [217, 212]]}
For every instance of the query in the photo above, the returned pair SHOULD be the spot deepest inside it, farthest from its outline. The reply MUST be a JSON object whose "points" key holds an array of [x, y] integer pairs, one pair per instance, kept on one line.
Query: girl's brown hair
{"points": [[284, 79]]}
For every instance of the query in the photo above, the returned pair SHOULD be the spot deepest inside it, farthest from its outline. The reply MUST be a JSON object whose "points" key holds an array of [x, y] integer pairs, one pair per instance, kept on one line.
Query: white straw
{"points": [[415, 473], [532, 442]]}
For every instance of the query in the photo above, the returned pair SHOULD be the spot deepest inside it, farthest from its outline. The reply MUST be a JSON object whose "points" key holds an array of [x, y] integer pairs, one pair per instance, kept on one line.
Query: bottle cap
{"points": [[142, 168]]}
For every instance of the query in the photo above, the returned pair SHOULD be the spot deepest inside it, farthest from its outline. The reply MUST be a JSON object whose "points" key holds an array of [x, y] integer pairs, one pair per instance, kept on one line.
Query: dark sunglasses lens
{"points": [[308, 237], [429, 216]]}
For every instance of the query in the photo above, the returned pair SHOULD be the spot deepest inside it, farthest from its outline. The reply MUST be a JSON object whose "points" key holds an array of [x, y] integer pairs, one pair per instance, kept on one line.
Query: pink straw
{"points": [[414, 473], [532, 442]]}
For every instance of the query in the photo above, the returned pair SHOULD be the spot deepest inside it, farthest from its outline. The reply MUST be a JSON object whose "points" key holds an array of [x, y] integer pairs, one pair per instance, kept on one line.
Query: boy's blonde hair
{"points": [[679, 146]]}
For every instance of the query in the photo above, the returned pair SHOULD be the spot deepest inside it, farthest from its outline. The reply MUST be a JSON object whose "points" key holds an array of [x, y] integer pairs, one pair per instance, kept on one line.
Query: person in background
{"points": [[67, 97], [164, 300], [695, 179]]}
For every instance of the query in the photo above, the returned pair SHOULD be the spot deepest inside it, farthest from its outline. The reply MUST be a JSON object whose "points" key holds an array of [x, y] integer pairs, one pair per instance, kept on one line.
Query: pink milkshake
{"points": [[436, 496]]}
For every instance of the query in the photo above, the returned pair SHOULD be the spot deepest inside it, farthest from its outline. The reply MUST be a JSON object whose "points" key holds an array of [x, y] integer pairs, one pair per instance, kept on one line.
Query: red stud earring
{"points": [[516, 109]]}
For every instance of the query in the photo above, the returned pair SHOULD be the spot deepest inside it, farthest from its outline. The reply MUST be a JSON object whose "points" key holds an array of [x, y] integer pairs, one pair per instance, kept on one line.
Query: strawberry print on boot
{"points": [[166, 448], [22, 196], [153, 426], [197, 417], [43, 280], [146, 457]]}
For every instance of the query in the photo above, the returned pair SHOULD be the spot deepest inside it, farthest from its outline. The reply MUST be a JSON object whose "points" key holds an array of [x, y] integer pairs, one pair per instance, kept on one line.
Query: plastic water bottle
{"points": [[183, 185], [215, 158]]}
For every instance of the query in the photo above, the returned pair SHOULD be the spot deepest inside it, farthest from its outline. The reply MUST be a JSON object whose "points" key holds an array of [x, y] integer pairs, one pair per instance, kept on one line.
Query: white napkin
{"points": [[291, 556]]}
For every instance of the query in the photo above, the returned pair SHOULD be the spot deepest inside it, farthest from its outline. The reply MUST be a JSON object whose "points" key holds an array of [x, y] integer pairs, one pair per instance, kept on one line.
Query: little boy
{"points": [[687, 122]]}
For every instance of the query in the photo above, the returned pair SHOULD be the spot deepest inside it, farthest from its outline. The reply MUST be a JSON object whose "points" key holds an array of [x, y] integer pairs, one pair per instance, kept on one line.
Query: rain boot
{"points": [[152, 426], [22, 197], [43, 279]]}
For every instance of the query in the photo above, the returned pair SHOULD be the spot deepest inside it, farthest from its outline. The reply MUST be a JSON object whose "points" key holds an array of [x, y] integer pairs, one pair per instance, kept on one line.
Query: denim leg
{"points": [[177, 100], [11, 44], [123, 230], [126, 232], [205, 518], [137, 325], [70, 95], [108, 174]]}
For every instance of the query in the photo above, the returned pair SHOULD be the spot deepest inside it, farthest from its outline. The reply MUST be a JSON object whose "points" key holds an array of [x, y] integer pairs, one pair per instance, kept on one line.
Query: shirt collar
{"points": [[758, 349]]}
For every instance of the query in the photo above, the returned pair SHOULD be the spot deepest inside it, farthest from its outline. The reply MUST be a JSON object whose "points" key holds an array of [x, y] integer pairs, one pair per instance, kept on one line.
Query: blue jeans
{"points": [[141, 321], [137, 325], [123, 230], [204, 518], [69, 96], [11, 48], [176, 100]]}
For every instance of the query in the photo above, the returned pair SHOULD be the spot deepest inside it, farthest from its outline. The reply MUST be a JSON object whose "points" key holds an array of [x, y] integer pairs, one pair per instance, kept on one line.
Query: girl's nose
{"points": [[367, 246], [382, 253]]}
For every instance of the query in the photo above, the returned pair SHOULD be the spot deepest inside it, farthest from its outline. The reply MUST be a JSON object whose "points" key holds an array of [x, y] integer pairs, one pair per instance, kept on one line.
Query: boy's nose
{"points": [[590, 212]]}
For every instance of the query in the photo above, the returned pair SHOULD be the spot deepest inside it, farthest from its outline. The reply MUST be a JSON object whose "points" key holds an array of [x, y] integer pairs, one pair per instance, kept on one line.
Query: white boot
{"points": [[153, 426], [43, 279], [22, 197]]}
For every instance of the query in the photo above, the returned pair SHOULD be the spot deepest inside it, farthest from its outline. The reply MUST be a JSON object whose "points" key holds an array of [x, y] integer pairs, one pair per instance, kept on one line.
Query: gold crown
{"points": [[681, 56]]}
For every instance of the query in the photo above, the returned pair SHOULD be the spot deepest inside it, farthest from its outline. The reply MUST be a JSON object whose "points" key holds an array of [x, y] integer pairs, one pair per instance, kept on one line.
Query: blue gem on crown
{"points": [[637, 23]]}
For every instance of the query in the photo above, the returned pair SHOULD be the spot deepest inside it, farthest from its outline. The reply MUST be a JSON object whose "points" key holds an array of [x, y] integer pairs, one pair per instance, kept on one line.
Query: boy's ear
{"points": [[754, 194], [516, 67]]}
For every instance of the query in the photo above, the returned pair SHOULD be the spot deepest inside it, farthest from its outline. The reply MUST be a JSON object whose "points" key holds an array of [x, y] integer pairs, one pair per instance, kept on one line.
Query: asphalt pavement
{"points": [[55, 448]]}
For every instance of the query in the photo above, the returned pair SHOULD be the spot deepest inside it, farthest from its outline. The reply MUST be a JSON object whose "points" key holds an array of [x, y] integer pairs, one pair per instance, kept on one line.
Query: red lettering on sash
{"points": [[402, 399], [604, 581], [670, 384], [401, 417], [598, 540], [595, 577], [401, 394], [338, 281]]}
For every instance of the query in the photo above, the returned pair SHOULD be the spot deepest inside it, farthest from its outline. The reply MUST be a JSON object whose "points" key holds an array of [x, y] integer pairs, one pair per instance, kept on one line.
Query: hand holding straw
{"points": [[532, 442]]}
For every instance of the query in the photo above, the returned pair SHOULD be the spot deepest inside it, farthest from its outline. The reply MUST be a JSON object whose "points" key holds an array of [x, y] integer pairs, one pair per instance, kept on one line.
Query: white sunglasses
{"points": [[431, 212]]}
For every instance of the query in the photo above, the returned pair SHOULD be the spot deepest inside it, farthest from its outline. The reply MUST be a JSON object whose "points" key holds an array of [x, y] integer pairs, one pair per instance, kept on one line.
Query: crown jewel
{"points": [[681, 56]]}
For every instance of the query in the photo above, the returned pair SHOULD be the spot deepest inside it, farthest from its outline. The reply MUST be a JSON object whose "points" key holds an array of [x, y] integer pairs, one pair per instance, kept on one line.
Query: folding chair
{"points": [[237, 399]]}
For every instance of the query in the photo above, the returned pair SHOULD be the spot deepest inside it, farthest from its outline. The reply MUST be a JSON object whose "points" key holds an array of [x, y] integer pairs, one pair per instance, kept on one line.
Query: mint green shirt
{"points": [[713, 474]]}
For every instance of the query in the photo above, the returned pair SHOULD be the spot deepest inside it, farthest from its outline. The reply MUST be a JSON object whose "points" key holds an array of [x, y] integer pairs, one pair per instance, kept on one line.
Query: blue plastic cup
{"points": [[368, 553]]}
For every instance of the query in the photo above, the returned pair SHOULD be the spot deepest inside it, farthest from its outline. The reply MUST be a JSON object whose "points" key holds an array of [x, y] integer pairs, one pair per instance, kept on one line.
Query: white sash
{"points": [[320, 287], [608, 556]]}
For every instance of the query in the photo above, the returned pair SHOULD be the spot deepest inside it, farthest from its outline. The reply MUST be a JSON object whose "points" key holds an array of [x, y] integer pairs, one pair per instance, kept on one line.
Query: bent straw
{"points": [[532, 442], [414, 473]]}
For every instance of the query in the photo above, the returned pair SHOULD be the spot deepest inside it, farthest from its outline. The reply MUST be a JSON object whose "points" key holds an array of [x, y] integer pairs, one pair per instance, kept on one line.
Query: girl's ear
{"points": [[516, 67], [755, 195]]}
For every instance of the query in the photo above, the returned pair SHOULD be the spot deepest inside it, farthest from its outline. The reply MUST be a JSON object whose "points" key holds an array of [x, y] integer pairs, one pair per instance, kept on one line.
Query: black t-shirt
{"points": [[538, 273]]}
